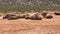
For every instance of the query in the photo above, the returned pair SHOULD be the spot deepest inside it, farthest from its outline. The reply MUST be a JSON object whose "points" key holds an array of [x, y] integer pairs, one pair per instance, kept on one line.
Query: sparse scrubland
{"points": [[27, 5], [28, 17]]}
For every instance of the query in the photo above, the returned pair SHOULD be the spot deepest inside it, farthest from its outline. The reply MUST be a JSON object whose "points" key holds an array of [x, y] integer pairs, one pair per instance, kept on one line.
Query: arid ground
{"points": [[23, 26]]}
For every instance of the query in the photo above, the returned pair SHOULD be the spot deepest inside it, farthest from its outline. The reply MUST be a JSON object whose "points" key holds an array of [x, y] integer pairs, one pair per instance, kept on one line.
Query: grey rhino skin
{"points": [[48, 16], [22, 15], [44, 14], [57, 13], [10, 16], [33, 16]]}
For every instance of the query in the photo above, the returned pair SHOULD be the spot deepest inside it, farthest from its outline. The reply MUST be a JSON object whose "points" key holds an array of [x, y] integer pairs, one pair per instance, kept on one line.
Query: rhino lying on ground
{"points": [[44, 14], [57, 13], [48, 16], [22, 15], [10, 16], [27, 16], [33, 16]]}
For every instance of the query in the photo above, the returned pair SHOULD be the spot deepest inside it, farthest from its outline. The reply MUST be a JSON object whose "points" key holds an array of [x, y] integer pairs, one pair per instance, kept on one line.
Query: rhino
{"points": [[57, 13], [35, 16], [44, 13], [10, 16], [48, 16]]}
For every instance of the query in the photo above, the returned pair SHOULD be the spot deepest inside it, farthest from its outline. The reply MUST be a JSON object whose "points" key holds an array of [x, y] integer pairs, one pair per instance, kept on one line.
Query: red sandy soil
{"points": [[23, 24]]}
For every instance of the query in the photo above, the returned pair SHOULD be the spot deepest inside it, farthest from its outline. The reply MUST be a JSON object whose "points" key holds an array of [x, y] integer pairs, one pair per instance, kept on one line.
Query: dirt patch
{"points": [[23, 25]]}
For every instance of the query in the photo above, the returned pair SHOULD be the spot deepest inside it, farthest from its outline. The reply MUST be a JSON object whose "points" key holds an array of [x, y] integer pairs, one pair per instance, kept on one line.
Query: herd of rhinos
{"points": [[31, 16]]}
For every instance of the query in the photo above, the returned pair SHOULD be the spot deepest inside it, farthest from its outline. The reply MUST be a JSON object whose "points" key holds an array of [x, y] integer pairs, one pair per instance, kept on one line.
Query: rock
{"points": [[57, 13]]}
